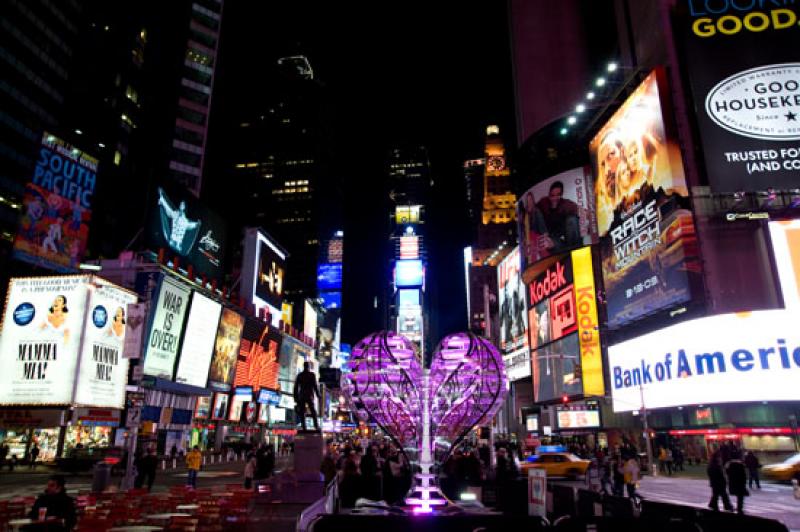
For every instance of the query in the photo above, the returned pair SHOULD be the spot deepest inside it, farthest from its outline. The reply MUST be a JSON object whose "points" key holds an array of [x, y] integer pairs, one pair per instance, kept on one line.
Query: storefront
{"points": [[771, 443], [21, 428]]}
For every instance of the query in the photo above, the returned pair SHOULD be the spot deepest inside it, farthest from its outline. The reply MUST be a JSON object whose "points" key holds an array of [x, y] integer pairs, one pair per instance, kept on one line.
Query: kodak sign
{"points": [[588, 332]]}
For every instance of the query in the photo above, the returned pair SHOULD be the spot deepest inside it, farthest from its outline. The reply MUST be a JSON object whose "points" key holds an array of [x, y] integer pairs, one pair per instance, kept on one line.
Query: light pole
{"points": [[647, 442]]}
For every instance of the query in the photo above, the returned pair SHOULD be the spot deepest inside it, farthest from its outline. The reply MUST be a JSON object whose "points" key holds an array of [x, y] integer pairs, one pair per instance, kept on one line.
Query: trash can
{"points": [[101, 477]]}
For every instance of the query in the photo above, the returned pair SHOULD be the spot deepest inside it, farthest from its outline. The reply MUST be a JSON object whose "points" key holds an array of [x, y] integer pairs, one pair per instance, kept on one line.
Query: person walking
{"points": [[3, 453], [631, 473], [737, 480], [193, 460], [716, 479], [753, 465], [34, 455], [149, 466], [250, 470]]}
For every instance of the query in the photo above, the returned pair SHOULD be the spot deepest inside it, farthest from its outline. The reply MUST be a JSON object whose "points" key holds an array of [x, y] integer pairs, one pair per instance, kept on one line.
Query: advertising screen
{"points": [[408, 298], [648, 245], [409, 247], [408, 273], [263, 273], [103, 371], [257, 365], [309, 320], [220, 410], [745, 78], [292, 355], [579, 417], [165, 329], [556, 215], [40, 339], [179, 223], [554, 369], [331, 299], [203, 407], [786, 249], [728, 358], [239, 399], [263, 414], [329, 276], [57, 207], [226, 349], [198, 341], [513, 319]]}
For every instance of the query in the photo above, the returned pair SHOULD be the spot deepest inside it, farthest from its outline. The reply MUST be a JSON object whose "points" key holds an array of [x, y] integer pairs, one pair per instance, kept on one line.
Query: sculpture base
{"points": [[425, 496], [309, 448]]}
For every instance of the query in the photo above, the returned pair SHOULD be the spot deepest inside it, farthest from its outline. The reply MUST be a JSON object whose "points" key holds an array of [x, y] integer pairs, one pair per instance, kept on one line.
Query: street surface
{"points": [[773, 500]]}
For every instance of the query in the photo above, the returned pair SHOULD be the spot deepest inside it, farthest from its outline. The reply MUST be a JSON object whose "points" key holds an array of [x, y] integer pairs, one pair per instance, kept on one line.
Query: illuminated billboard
{"points": [[180, 224], [331, 300], [166, 328], [241, 396], [409, 247], [649, 249], [408, 274], [407, 214], [198, 341], [226, 350], [786, 249], [744, 74], [578, 416], [43, 330], [309, 320], [292, 355], [257, 364], [220, 410], [263, 273], [513, 321], [566, 357], [556, 215], [728, 358], [57, 207], [329, 276]]}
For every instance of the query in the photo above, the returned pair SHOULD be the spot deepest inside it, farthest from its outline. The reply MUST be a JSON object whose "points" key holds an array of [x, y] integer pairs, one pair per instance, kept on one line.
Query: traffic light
{"points": [[565, 399]]}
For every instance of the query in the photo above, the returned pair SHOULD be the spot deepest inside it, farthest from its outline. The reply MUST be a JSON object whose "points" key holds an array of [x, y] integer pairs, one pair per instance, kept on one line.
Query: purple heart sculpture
{"points": [[426, 412]]}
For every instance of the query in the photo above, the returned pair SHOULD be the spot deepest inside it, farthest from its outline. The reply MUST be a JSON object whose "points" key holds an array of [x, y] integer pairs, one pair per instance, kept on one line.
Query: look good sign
{"points": [[165, 330], [718, 359]]}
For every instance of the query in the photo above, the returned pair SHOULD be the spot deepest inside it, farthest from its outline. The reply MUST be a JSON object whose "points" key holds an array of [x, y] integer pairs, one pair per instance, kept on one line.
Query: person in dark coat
{"points": [[148, 466], [369, 474], [753, 465], [57, 503], [350, 484], [716, 479], [737, 480]]}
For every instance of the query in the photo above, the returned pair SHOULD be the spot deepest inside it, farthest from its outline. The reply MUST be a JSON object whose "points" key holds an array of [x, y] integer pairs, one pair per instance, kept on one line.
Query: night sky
{"points": [[417, 73]]}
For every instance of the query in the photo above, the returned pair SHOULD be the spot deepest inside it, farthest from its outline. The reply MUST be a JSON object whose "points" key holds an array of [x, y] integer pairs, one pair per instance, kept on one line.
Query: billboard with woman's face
{"points": [[649, 250], [226, 349]]}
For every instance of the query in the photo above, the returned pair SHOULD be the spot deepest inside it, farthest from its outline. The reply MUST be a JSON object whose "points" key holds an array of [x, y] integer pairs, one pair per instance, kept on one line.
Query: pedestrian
{"points": [[174, 451], [737, 479], [55, 502], [12, 462], [505, 474], [678, 457], [716, 479], [606, 484], [753, 465], [148, 466], [193, 460], [631, 471], [350, 488], [619, 477], [250, 470], [328, 466], [3, 454], [34, 455], [369, 474]]}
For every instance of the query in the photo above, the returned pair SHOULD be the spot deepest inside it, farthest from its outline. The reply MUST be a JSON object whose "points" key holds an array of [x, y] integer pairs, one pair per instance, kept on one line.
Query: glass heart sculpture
{"points": [[427, 412]]}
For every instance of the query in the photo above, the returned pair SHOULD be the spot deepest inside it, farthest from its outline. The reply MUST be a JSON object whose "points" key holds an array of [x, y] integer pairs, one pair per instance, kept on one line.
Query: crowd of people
{"points": [[728, 471]]}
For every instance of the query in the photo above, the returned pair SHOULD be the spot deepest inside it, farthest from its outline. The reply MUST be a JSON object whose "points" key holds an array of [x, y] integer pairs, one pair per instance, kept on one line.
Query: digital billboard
{"points": [[745, 79], [728, 358], [329, 276], [566, 357], [257, 364], [183, 226], [785, 238], [649, 250], [226, 350], [513, 319], [103, 371], [556, 215], [579, 416], [408, 273], [220, 410], [331, 300], [202, 409], [309, 320], [43, 329], [292, 355], [57, 207], [166, 328], [263, 273], [198, 341], [241, 396]]}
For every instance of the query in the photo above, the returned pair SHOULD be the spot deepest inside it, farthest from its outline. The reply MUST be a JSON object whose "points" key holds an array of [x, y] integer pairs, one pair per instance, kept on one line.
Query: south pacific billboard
{"points": [[649, 250], [57, 207], [744, 73]]}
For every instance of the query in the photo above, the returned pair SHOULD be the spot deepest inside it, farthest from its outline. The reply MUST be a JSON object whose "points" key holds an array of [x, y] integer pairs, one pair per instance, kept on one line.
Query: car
{"points": [[557, 464], [784, 471]]}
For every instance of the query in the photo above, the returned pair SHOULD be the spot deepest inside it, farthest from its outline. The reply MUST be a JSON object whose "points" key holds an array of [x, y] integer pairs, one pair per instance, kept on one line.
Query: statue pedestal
{"points": [[309, 448]]}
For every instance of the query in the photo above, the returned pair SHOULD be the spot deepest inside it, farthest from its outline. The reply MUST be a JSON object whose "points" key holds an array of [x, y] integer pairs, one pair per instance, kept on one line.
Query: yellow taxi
{"points": [[557, 464], [784, 471]]}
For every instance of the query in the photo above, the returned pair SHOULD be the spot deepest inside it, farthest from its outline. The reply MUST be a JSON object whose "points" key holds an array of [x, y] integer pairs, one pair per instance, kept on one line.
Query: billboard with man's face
{"points": [[556, 215], [648, 245]]}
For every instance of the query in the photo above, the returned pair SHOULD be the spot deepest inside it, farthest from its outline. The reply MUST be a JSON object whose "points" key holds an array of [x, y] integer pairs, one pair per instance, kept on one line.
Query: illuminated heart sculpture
{"points": [[426, 412]]}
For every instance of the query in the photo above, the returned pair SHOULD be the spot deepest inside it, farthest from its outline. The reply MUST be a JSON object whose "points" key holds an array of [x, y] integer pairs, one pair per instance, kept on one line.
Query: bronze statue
{"points": [[305, 387]]}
